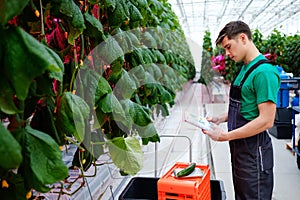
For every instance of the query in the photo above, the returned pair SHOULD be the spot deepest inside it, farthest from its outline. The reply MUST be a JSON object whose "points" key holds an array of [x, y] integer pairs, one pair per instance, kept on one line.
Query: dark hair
{"points": [[232, 29]]}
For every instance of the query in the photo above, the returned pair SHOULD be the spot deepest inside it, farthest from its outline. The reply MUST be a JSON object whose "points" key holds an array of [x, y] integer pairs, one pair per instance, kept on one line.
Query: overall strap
{"points": [[253, 68]]}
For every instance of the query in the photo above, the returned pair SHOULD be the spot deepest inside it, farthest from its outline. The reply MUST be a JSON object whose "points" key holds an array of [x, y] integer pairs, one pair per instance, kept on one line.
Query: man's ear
{"points": [[243, 38]]}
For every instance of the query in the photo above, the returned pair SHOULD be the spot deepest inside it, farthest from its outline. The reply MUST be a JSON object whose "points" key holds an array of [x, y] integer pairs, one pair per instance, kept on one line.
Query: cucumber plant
{"points": [[85, 72]]}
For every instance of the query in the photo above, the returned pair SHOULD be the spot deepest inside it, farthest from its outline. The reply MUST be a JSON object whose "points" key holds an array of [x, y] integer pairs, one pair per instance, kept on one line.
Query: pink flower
{"points": [[219, 67], [218, 63]]}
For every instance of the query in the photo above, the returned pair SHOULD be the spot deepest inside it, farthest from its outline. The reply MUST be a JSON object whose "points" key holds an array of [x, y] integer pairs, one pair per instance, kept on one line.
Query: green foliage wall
{"points": [[206, 73], [286, 49], [85, 72]]}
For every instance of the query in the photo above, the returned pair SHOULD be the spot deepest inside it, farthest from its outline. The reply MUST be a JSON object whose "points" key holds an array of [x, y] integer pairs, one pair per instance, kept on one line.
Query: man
{"points": [[252, 108]]}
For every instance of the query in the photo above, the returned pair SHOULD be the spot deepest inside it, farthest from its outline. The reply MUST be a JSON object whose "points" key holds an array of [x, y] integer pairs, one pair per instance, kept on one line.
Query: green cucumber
{"points": [[186, 171]]}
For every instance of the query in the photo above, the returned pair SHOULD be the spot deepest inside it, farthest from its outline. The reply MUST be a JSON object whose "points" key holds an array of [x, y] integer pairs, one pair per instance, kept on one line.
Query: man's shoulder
{"points": [[266, 72], [266, 67]]}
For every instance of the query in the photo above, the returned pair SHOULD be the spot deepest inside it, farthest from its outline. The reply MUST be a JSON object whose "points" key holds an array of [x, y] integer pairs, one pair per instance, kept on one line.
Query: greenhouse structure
{"points": [[149, 99]]}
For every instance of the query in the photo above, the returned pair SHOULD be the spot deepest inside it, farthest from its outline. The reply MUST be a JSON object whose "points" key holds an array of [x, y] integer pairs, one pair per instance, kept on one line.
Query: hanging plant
{"points": [[280, 48], [206, 73], [290, 57]]}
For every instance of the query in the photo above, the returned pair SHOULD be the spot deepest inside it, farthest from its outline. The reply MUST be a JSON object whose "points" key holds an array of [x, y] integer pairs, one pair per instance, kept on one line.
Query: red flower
{"points": [[271, 57]]}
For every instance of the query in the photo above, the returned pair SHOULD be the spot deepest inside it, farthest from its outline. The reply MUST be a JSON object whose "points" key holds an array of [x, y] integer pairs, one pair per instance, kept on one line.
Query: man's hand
{"points": [[218, 119], [215, 120], [215, 133]]}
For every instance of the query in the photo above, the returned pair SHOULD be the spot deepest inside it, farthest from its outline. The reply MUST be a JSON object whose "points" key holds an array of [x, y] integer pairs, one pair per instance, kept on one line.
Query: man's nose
{"points": [[227, 53]]}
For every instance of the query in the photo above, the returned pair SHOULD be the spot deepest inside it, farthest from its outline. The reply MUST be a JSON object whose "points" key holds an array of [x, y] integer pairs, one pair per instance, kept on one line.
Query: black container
{"points": [[140, 188], [281, 130], [145, 188], [217, 190], [283, 115]]}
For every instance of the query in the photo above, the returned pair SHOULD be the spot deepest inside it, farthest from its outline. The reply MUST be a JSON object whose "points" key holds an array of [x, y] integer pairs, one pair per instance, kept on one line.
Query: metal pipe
{"points": [[174, 136]]}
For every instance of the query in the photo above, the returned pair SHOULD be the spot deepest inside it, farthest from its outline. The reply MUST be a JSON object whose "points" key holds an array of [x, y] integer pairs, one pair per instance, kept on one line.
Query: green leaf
{"points": [[44, 160], [56, 74], [11, 8], [148, 40], [149, 79], [146, 55], [146, 131], [110, 103], [158, 91], [140, 4], [99, 119], [118, 15], [94, 22], [160, 57], [154, 138], [157, 72], [165, 96], [94, 27], [135, 14], [116, 67], [121, 37], [10, 150], [72, 114], [137, 54], [126, 154], [96, 86], [156, 7], [111, 4], [138, 113], [148, 134], [74, 19], [132, 40], [26, 59], [149, 69], [139, 73], [7, 104], [109, 50], [125, 87]]}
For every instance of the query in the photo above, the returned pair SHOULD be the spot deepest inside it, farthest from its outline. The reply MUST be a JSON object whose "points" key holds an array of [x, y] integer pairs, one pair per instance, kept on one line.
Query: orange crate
{"points": [[197, 188]]}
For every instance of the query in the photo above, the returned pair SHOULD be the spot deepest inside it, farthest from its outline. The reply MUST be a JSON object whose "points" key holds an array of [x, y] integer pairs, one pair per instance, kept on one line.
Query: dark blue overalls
{"points": [[252, 157]]}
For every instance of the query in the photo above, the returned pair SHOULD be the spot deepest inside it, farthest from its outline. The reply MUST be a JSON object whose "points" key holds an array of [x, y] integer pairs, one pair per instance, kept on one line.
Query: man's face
{"points": [[233, 48]]}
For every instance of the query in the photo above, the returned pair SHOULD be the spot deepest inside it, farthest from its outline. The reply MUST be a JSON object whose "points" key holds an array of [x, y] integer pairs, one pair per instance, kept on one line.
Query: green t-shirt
{"points": [[261, 85]]}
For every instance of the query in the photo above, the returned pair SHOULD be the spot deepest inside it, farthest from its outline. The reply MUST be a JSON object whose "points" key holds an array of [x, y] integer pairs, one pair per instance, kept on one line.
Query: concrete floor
{"points": [[195, 98]]}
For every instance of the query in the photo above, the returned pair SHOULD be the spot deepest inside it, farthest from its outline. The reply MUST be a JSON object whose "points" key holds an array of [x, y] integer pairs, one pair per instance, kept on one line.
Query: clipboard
{"points": [[197, 121]]}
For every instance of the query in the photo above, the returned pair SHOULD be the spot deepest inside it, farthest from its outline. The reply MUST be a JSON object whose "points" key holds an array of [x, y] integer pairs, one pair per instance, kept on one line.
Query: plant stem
{"points": [[76, 68], [73, 142], [42, 19], [82, 47]]}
